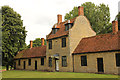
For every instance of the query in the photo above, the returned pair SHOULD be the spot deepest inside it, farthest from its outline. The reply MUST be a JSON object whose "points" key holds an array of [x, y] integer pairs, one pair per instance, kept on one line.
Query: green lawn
{"points": [[39, 74], [3, 68]]}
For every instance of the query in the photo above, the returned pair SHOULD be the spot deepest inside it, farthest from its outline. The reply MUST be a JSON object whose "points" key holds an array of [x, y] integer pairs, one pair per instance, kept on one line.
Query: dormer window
{"points": [[68, 25], [54, 30]]}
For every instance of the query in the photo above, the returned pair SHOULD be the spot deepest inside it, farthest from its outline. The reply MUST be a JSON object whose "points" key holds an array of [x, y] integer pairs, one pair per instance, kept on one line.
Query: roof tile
{"points": [[61, 32], [32, 52], [105, 42]]}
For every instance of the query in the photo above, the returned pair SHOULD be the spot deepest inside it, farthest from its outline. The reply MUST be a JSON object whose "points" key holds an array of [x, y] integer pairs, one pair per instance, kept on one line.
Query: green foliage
{"points": [[98, 15], [37, 42], [72, 14], [24, 47], [13, 34], [0, 37]]}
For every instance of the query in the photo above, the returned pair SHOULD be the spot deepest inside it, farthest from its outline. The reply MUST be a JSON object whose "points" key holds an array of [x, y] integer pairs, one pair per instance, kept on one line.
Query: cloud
{"points": [[40, 15]]}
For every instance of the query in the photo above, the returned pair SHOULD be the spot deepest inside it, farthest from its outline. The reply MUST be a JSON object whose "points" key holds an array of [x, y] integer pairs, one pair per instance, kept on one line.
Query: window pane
{"points": [[42, 61], [50, 62], [19, 62], [50, 44], [63, 42], [29, 61], [64, 61], [66, 28], [118, 59], [83, 61], [53, 31]]}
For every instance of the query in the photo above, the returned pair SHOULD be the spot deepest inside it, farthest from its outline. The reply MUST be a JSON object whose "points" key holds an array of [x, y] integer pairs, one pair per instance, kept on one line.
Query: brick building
{"points": [[72, 46]]}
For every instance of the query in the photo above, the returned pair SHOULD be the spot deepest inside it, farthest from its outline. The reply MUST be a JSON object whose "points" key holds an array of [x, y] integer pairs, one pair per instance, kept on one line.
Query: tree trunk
{"points": [[7, 67], [11, 67]]}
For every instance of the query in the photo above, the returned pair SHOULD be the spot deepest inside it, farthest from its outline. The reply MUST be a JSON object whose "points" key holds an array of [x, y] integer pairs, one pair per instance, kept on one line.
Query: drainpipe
{"points": [[73, 62]]}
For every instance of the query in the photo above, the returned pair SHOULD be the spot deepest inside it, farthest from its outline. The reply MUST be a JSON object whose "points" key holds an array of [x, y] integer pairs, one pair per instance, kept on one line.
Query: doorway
{"points": [[56, 64], [24, 65], [100, 64], [35, 65]]}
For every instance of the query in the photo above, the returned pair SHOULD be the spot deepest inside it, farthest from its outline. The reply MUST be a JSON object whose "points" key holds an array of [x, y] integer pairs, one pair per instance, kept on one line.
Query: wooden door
{"points": [[24, 65], [35, 65], [57, 65], [100, 64]]}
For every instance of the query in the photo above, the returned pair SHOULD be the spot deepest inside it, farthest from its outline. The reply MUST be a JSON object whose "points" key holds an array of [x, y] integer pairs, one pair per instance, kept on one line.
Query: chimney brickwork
{"points": [[80, 11], [42, 41], [31, 44], [115, 26], [59, 17]]}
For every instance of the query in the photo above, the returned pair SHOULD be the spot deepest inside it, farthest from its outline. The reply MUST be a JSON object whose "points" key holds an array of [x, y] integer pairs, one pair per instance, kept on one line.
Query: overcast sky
{"points": [[40, 15]]}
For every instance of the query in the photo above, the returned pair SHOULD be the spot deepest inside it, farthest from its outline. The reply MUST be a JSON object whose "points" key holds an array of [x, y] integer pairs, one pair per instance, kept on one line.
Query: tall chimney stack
{"points": [[115, 26], [118, 6], [59, 17], [80, 11], [31, 44], [42, 41]]}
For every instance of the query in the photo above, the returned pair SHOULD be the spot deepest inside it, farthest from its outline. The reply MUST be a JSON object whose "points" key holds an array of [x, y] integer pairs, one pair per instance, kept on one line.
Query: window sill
{"points": [[42, 65], [64, 47], [83, 66]]}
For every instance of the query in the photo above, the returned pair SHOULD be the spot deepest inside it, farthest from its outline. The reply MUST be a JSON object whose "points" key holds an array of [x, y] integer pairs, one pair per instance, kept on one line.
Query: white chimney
{"points": [[118, 6]]}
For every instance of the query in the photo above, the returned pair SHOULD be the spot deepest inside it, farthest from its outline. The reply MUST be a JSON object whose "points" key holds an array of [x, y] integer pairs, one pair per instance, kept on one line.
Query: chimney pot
{"points": [[80, 11], [31, 44], [115, 26], [59, 18], [42, 41]]}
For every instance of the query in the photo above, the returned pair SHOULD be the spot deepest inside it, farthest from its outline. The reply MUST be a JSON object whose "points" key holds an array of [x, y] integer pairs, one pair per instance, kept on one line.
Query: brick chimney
{"points": [[80, 11], [31, 44], [115, 26], [59, 17], [42, 41]]}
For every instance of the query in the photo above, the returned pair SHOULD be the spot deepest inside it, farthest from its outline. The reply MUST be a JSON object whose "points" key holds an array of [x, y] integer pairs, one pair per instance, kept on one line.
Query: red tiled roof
{"points": [[105, 42], [61, 32], [33, 52]]}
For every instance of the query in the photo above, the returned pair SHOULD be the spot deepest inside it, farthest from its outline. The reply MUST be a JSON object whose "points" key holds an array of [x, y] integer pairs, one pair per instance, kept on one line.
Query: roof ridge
{"points": [[32, 52], [97, 35], [31, 48]]}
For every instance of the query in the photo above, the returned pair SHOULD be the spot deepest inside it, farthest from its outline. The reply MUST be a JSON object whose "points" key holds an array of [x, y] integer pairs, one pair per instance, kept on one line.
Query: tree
{"points": [[99, 16], [13, 35], [0, 37], [37, 42], [24, 47]]}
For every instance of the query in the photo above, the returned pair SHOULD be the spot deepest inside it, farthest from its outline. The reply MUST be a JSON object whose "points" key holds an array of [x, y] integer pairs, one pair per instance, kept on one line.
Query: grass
{"points": [[39, 74], [3, 68]]}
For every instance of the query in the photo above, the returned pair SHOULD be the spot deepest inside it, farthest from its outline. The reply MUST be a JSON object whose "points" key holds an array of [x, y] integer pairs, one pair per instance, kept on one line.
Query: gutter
{"points": [[94, 52]]}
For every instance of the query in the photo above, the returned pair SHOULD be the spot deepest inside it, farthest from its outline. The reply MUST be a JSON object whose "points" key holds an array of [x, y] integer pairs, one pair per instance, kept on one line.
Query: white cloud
{"points": [[40, 15]]}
